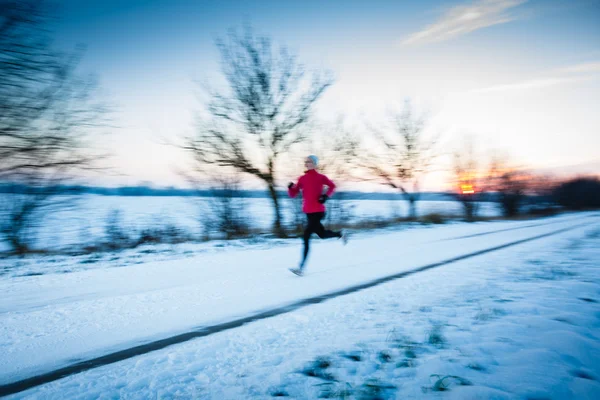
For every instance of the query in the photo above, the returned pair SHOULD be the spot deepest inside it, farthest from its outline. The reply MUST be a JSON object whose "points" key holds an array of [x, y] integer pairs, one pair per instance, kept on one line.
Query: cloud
{"points": [[573, 73], [530, 84], [464, 19], [589, 67]]}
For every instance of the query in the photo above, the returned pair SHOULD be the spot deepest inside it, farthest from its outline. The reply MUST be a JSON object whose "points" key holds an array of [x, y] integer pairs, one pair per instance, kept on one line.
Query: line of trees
{"points": [[516, 189], [265, 109]]}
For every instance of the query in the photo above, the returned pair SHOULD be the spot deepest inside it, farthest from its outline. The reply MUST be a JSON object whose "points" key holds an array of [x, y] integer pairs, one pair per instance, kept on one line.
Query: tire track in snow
{"points": [[37, 380], [513, 228]]}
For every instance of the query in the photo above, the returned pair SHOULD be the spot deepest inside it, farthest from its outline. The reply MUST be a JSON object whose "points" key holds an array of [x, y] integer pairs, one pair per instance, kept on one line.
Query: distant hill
{"points": [[149, 191]]}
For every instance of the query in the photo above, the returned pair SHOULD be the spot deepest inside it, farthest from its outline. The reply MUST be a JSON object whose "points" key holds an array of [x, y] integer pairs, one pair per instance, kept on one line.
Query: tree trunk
{"points": [[413, 208], [412, 198], [469, 206], [277, 226], [412, 205]]}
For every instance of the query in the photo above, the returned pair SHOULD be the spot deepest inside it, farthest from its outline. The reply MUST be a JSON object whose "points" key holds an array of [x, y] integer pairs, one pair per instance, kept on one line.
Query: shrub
{"points": [[579, 194], [162, 234], [115, 233], [433, 218]]}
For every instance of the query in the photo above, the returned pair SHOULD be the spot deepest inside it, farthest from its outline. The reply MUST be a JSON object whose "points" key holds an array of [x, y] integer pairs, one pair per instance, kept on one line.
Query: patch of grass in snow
{"points": [[318, 369], [575, 244], [406, 363], [593, 234], [353, 356], [375, 389], [335, 390], [536, 262], [587, 300], [503, 300], [554, 273], [404, 344], [409, 352], [435, 337], [384, 356], [476, 367], [149, 251], [276, 392], [541, 269], [565, 320], [442, 383], [502, 339], [488, 314], [90, 260], [371, 389], [582, 374], [395, 337], [398, 340], [33, 274]]}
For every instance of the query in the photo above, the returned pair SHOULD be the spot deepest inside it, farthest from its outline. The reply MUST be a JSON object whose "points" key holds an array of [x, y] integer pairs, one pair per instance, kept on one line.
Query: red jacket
{"points": [[311, 184]]}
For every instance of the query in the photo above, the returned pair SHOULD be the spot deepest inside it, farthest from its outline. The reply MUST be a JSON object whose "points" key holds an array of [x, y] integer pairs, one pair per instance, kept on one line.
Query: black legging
{"points": [[315, 226]]}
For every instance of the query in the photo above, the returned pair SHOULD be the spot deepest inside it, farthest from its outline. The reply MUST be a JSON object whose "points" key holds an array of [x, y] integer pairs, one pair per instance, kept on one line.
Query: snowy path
{"points": [[30, 293], [53, 320], [518, 323]]}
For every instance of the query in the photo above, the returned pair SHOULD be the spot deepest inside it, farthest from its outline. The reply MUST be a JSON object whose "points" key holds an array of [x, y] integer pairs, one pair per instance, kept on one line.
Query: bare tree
{"points": [[225, 211], [45, 113], [510, 183], [338, 148], [404, 155], [466, 178], [260, 114]]}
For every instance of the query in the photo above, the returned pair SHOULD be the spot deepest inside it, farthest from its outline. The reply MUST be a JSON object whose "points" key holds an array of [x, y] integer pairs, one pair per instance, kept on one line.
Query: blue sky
{"points": [[517, 76]]}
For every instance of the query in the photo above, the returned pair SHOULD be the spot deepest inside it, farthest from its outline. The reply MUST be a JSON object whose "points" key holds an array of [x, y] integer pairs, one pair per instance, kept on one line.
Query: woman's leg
{"points": [[312, 220], [320, 230]]}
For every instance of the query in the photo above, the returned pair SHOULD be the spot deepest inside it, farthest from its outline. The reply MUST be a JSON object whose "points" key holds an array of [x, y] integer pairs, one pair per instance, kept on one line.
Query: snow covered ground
{"points": [[521, 322]]}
